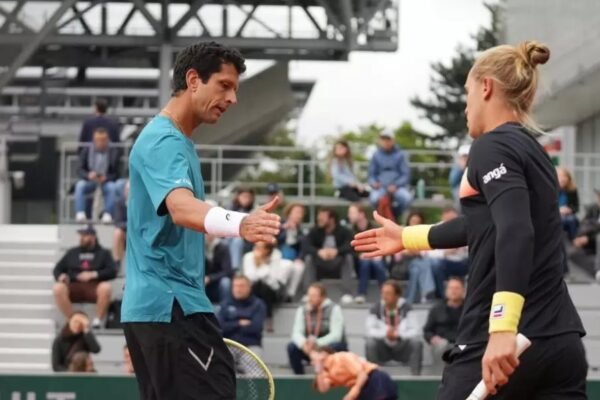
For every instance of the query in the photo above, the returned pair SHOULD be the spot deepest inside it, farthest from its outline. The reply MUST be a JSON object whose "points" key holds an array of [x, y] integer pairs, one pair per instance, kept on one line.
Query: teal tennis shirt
{"points": [[164, 261]]}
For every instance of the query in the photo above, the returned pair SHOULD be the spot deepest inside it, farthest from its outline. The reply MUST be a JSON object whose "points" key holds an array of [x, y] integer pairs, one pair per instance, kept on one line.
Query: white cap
{"points": [[387, 133], [463, 150]]}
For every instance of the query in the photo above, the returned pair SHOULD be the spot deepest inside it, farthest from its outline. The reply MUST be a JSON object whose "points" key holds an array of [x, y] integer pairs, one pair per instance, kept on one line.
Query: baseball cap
{"points": [[387, 134], [87, 230], [273, 188]]}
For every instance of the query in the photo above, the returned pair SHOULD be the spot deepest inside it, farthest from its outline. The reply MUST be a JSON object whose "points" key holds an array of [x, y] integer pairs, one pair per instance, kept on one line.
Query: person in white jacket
{"points": [[393, 332], [267, 271]]}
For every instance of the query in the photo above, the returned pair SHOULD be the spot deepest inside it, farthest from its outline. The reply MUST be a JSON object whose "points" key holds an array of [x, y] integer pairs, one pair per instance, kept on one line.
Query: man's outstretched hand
{"points": [[262, 225], [379, 242]]}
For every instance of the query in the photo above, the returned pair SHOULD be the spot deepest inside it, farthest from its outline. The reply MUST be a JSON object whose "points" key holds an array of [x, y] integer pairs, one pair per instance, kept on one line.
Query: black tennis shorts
{"points": [[185, 359], [553, 368]]}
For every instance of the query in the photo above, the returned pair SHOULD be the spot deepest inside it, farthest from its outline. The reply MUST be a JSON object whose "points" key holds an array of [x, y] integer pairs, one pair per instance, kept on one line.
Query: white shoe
{"points": [[598, 276], [80, 216], [347, 299], [96, 323], [107, 218], [360, 299]]}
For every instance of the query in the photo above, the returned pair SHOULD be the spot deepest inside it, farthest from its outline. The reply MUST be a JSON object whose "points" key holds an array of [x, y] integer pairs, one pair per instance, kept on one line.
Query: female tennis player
{"points": [[509, 195], [364, 379]]}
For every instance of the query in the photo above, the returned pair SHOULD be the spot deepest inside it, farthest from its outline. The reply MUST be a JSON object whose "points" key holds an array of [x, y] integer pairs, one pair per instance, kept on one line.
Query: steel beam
{"points": [[32, 46], [78, 14], [141, 6], [194, 7], [13, 17], [164, 81], [349, 34]]}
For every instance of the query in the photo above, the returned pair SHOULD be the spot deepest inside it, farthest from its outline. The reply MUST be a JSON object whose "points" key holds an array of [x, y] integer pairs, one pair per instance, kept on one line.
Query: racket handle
{"points": [[480, 392]]}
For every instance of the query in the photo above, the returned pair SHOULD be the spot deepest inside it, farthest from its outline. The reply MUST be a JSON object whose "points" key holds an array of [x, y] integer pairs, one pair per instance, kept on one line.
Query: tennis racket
{"points": [[254, 380], [480, 392]]}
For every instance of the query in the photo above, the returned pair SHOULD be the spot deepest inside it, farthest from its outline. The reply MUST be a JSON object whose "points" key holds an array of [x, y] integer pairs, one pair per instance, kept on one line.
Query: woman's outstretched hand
{"points": [[379, 242]]}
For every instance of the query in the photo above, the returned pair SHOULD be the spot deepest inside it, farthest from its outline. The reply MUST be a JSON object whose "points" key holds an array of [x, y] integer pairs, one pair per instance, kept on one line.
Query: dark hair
{"points": [[101, 130], [101, 106], [360, 207], [205, 58], [332, 213], [236, 203], [413, 213], [449, 209], [269, 246], [78, 362], [458, 279], [243, 277], [319, 286], [288, 209], [66, 330], [394, 284], [348, 157]]}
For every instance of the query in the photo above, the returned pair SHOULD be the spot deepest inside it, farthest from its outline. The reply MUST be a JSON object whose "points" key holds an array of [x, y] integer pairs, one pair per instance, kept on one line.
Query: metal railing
{"points": [[226, 167]]}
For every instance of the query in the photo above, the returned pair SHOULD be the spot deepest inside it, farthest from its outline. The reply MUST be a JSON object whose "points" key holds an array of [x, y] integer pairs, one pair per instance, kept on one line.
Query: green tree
{"points": [[446, 104]]}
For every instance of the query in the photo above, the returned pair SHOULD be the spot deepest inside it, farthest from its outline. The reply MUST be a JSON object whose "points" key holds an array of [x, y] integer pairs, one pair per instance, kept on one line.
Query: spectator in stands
{"points": [[243, 202], [317, 324], [120, 222], [291, 235], [420, 274], [127, 364], [76, 336], [82, 275], [242, 315], [367, 268], [217, 269], [344, 369], [274, 190], [264, 267], [457, 170], [393, 332], [442, 322], [568, 202], [290, 242], [449, 262], [98, 165], [344, 180], [389, 175], [99, 120], [82, 362], [328, 252], [587, 242]]}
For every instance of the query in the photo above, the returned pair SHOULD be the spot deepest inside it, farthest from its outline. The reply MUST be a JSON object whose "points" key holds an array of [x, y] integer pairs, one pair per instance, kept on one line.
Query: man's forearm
{"points": [[187, 211]]}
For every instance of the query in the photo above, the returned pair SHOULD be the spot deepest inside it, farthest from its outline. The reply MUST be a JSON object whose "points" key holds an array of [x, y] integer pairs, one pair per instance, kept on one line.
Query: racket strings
{"points": [[252, 379]]}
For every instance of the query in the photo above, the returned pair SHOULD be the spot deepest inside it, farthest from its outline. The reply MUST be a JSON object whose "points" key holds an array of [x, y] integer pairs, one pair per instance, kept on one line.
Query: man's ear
{"points": [[192, 79], [488, 87]]}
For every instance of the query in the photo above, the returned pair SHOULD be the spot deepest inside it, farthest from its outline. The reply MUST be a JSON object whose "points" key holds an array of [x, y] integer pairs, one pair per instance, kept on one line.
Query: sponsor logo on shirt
{"points": [[185, 181], [498, 311], [496, 173]]}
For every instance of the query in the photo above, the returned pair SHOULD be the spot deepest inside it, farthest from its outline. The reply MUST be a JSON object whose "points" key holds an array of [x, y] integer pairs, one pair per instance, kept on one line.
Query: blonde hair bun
{"points": [[534, 53]]}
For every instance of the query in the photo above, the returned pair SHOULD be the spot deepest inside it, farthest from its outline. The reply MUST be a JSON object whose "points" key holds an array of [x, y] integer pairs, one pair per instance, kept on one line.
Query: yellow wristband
{"points": [[416, 237], [506, 312]]}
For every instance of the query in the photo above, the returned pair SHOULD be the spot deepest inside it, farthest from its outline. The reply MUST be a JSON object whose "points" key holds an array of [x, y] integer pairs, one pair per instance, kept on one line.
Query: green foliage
{"points": [[446, 104]]}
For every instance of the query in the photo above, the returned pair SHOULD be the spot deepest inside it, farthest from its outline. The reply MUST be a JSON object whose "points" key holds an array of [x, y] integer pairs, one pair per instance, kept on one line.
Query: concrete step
{"points": [[25, 245], [44, 255], [26, 367], [585, 295], [592, 352], [27, 325], [44, 311], [30, 268], [26, 282], [26, 340], [591, 322], [26, 296], [35, 355]]}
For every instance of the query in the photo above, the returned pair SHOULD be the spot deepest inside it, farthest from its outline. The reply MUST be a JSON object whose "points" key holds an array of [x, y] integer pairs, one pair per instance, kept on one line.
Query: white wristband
{"points": [[223, 223]]}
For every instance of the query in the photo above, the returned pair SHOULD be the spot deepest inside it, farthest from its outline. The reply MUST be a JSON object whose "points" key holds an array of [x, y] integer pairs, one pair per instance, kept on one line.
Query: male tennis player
{"points": [[173, 337]]}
